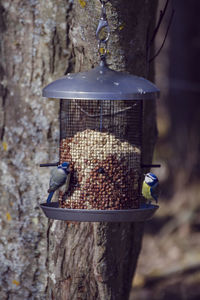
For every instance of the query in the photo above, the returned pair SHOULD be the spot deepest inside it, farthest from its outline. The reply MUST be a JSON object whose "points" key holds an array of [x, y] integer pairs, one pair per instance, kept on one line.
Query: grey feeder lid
{"points": [[101, 83], [144, 213]]}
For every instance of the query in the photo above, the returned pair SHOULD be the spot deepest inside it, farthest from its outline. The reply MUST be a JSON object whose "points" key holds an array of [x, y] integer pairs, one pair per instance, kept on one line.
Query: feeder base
{"points": [[144, 213]]}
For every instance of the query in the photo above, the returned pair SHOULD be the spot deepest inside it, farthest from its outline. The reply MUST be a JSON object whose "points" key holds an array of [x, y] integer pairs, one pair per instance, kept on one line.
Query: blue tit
{"points": [[150, 187], [59, 177]]}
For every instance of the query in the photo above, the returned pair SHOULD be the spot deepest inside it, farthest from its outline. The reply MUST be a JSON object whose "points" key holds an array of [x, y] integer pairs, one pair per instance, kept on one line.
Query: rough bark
{"points": [[98, 260], [32, 53], [41, 41]]}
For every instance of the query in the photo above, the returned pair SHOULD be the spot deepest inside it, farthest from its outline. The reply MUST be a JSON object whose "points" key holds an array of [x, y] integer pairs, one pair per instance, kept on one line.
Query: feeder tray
{"points": [[142, 214]]}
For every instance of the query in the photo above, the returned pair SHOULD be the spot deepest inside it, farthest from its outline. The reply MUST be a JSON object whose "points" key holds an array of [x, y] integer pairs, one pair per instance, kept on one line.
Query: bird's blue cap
{"points": [[151, 179], [65, 165]]}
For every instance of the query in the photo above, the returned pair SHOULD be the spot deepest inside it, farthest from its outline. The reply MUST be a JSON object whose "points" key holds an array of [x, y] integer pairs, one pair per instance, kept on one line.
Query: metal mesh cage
{"points": [[102, 140]]}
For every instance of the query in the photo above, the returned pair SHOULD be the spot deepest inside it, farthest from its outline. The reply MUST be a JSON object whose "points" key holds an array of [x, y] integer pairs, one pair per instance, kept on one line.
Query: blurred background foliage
{"points": [[169, 264]]}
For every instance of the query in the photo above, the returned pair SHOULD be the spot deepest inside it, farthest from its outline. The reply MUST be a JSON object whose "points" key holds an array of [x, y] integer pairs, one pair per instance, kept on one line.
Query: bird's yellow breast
{"points": [[146, 191]]}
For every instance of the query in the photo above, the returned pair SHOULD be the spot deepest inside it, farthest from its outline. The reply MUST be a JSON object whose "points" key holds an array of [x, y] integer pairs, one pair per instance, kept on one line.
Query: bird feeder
{"points": [[101, 136]]}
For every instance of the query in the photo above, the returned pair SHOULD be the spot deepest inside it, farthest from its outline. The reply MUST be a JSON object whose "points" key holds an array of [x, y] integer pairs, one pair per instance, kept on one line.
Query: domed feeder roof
{"points": [[101, 83]]}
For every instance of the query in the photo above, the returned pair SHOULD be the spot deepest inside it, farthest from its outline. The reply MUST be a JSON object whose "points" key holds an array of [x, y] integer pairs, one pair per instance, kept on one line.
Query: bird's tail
{"points": [[50, 196]]}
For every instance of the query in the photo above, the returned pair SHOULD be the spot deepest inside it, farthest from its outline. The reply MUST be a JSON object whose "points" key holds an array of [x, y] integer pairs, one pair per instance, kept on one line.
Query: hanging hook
{"points": [[102, 26], [103, 31]]}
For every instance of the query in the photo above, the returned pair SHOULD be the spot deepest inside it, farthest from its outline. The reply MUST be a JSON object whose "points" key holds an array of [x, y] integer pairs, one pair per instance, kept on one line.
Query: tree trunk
{"points": [[98, 260], [32, 53], [40, 42]]}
